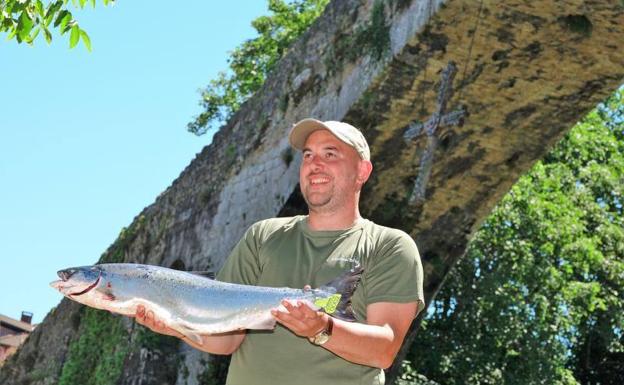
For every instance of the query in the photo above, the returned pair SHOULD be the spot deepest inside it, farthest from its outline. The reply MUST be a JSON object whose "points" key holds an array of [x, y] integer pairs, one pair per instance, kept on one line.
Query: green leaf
{"points": [[47, 35], [12, 34], [32, 37], [31, 12], [82, 3], [24, 26], [53, 8], [64, 22], [93, 3], [75, 35], [69, 26], [47, 20], [39, 7], [85, 39], [60, 16]]}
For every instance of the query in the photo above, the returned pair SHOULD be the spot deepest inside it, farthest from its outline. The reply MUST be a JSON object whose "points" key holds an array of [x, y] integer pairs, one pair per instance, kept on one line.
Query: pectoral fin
{"points": [[190, 334], [195, 338]]}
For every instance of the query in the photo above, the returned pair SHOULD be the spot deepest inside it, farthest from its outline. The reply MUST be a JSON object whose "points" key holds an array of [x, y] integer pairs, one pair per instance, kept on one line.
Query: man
{"points": [[310, 347]]}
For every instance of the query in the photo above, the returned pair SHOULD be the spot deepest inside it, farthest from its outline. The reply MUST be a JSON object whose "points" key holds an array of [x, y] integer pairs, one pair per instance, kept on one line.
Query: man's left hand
{"points": [[300, 319]]}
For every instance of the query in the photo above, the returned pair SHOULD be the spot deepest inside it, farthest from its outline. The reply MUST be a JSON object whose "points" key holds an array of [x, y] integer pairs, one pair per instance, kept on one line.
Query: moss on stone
{"points": [[146, 338], [230, 153], [377, 34], [96, 357], [206, 194], [372, 38], [116, 253]]}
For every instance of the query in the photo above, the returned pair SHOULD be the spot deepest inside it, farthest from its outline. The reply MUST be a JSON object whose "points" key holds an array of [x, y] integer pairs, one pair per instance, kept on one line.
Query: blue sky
{"points": [[87, 140]]}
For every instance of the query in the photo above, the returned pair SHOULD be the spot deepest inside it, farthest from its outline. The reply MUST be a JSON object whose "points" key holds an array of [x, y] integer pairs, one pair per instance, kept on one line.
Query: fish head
{"points": [[78, 281]]}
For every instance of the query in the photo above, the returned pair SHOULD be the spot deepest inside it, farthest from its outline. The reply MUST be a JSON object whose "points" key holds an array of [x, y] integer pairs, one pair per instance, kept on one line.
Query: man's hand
{"points": [[300, 319], [148, 319]]}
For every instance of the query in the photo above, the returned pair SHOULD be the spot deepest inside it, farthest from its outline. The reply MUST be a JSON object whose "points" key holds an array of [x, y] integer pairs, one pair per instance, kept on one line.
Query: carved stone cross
{"points": [[439, 118]]}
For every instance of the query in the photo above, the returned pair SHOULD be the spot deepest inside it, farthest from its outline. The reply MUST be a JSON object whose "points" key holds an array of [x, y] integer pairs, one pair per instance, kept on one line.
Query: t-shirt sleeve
{"points": [[242, 265], [396, 274]]}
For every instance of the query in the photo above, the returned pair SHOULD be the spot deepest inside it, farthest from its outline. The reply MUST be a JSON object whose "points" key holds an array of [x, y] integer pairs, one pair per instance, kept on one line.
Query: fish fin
{"points": [[107, 293], [195, 338], [339, 304], [265, 322], [190, 333], [205, 274], [110, 297]]}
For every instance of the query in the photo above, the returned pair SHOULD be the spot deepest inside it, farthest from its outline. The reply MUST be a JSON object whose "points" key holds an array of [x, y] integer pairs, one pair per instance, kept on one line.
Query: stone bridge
{"points": [[527, 70]]}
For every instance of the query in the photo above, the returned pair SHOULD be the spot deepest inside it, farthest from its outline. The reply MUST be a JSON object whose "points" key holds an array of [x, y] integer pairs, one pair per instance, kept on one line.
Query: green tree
{"points": [[539, 296], [24, 20], [250, 63]]}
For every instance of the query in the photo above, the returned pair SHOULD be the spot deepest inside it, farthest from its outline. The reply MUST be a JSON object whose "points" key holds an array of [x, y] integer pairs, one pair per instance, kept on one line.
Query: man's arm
{"points": [[373, 344], [225, 343]]}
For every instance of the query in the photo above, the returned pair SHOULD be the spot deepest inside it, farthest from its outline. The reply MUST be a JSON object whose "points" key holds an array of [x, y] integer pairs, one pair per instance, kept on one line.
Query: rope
{"points": [[474, 34]]}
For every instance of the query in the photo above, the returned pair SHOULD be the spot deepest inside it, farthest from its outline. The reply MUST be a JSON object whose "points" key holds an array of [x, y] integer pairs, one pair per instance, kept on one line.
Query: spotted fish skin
{"points": [[189, 303]]}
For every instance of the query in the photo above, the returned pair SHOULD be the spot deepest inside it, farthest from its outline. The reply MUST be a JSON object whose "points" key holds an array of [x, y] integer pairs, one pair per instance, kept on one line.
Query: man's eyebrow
{"points": [[328, 147]]}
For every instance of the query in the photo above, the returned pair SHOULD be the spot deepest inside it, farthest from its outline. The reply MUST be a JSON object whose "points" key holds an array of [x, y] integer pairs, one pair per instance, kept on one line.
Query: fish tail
{"points": [[339, 303]]}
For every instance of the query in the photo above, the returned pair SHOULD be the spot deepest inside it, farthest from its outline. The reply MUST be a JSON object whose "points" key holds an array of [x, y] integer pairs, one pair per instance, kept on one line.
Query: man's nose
{"points": [[316, 162]]}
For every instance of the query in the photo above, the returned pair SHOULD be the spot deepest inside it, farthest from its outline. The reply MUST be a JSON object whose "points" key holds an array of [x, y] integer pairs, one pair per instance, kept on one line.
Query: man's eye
{"points": [[330, 155]]}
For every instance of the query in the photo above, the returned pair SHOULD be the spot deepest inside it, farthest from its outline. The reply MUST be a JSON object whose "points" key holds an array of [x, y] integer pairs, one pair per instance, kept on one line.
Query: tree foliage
{"points": [[539, 296], [24, 20], [250, 63]]}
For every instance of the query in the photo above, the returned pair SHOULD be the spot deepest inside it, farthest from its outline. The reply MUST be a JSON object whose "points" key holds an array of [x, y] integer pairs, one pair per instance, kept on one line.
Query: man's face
{"points": [[331, 174]]}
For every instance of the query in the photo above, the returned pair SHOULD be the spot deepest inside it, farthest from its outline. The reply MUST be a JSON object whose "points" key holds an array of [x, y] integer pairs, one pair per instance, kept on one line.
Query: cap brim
{"points": [[301, 130]]}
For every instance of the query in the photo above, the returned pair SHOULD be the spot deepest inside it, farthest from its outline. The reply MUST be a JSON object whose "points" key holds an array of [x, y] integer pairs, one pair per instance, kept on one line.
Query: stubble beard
{"points": [[319, 202], [316, 202], [328, 202]]}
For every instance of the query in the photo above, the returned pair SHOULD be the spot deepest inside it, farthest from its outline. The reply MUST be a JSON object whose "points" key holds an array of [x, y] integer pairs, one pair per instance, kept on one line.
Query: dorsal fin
{"points": [[205, 274]]}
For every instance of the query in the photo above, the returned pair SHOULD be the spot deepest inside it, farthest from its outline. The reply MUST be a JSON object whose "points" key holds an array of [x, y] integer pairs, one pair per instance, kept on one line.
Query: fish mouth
{"points": [[88, 287], [64, 286]]}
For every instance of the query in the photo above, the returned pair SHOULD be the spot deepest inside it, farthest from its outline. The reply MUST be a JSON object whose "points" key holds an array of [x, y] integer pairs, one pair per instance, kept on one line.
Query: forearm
{"points": [[363, 344], [374, 344]]}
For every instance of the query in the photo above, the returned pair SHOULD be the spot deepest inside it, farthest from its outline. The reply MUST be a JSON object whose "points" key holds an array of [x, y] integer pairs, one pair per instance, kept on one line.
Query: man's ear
{"points": [[365, 168]]}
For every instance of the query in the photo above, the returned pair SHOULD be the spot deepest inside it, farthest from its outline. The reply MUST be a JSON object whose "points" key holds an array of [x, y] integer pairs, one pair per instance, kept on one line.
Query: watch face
{"points": [[321, 338]]}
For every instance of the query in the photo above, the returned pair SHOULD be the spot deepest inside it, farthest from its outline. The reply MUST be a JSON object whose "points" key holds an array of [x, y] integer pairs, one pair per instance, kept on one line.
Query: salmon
{"points": [[194, 304]]}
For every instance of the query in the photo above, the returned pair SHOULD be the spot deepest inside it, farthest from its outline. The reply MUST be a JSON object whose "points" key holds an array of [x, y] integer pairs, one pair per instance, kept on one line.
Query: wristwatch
{"points": [[324, 335]]}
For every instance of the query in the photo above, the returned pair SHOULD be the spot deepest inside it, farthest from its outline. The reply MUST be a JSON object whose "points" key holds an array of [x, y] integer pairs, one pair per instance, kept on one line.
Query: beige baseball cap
{"points": [[343, 131]]}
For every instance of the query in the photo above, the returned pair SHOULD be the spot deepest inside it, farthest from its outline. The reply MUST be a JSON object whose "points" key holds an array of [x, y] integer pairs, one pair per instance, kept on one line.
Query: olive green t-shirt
{"points": [[284, 252]]}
